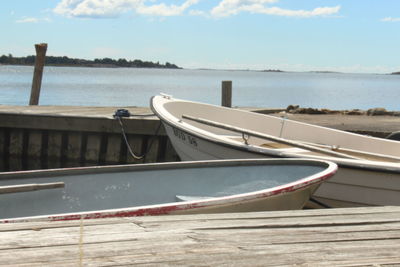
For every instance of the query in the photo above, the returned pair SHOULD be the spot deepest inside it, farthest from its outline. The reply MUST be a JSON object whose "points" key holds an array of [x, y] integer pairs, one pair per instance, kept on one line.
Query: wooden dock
{"points": [[326, 237], [42, 137]]}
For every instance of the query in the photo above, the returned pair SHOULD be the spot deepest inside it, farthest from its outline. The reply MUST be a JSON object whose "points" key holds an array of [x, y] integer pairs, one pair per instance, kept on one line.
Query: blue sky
{"points": [[291, 35]]}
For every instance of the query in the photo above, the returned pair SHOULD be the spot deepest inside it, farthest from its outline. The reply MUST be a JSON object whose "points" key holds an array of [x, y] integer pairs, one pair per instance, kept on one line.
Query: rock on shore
{"points": [[296, 109]]}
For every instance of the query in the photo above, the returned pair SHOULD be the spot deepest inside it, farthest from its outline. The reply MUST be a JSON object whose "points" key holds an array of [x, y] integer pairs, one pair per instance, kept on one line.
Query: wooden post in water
{"points": [[38, 73], [226, 94]]}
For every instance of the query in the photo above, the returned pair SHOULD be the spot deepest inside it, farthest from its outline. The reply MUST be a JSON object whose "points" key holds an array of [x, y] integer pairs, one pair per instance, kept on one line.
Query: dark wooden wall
{"points": [[31, 141]]}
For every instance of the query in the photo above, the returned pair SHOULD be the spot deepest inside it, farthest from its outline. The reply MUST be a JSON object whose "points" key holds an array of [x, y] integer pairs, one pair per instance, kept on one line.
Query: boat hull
{"points": [[288, 201], [350, 187], [166, 188]]}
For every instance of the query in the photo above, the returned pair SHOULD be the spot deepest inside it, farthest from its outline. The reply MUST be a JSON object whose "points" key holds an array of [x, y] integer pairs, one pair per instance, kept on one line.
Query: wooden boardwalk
{"points": [[327, 237]]}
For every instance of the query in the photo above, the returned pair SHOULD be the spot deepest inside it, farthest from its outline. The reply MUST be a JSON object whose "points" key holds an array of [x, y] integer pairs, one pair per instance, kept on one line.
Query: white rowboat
{"points": [[160, 188], [369, 168]]}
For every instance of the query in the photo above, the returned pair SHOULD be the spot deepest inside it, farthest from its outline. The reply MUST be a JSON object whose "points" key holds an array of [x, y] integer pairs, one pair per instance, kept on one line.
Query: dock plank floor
{"points": [[325, 237]]}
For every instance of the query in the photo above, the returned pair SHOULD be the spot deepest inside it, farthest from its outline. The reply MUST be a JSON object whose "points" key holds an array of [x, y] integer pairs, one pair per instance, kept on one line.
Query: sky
{"points": [[356, 36]]}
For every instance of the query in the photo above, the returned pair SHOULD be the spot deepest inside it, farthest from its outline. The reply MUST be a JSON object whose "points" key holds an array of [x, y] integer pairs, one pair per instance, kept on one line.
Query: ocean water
{"points": [[134, 87]]}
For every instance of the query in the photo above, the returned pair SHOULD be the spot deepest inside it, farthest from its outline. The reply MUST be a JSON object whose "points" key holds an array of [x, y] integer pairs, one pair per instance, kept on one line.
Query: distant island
{"points": [[272, 71], [325, 71], [396, 73], [76, 62]]}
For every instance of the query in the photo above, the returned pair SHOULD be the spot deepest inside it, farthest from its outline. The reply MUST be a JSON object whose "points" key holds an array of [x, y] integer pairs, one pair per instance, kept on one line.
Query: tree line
{"points": [[98, 62]]}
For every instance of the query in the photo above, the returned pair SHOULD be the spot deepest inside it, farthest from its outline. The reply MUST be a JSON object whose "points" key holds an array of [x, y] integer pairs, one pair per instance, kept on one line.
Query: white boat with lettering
{"points": [[369, 167], [160, 188]]}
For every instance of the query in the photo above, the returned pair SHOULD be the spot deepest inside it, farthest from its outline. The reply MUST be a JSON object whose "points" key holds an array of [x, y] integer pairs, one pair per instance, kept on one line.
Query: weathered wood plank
{"points": [[54, 144], [15, 163], [16, 142], [273, 235], [3, 146], [2, 142], [339, 237], [388, 212], [35, 144], [54, 149], [252, 237], [113, 148], [153, 145], [77, 122], [92, 152], [188, 250], [74, 146]]}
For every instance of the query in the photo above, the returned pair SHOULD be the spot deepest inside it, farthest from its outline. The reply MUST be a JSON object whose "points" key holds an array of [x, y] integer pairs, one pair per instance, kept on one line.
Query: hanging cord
{"points": [[125, 113]]}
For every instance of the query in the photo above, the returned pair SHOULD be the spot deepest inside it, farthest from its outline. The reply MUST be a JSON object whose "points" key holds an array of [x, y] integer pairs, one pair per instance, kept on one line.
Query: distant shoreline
{"points": [[105, 66], [64, 61], [76, 62], [180, 68]]}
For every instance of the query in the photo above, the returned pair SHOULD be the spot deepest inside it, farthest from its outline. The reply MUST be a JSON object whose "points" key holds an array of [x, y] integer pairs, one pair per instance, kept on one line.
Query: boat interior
{"points": [[122, 189], [305, 139], [287, 148]]}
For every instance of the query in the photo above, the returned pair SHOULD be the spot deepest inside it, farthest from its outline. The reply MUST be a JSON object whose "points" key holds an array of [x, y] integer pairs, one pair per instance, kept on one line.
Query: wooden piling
{"points": [[38, 73], [226, 94]]}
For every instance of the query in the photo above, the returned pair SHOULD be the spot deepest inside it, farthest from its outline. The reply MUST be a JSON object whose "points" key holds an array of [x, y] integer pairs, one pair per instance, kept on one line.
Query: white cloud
{"points": [[94, 8], [112, 8], [197, 13], [164, 10], [390, 19], [27, 20], [32, 20], [233, 7], [225, 8]]}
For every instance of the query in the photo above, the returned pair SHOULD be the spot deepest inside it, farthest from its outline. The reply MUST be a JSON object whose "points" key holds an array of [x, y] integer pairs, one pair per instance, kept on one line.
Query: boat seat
{"points": [[275, 145], [284, 147], [231, 136]]}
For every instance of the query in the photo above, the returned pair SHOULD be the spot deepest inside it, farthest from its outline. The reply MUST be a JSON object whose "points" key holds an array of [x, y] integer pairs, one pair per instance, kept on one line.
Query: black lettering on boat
{"points": [[179, 134], [185, 137], [192, 140]]}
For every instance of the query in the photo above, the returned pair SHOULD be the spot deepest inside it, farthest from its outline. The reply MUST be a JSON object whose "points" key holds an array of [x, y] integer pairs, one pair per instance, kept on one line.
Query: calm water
{"points": [[134, 87]]}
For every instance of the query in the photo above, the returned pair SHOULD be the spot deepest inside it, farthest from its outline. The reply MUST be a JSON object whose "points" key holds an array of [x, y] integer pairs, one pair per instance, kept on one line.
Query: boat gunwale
{"points": [[26, 174]]}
